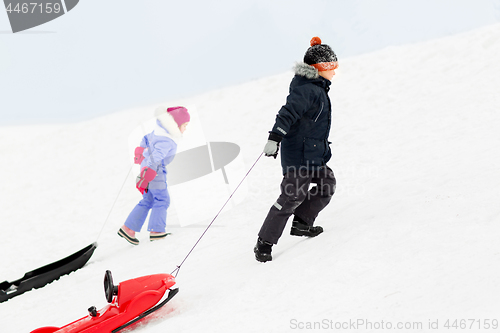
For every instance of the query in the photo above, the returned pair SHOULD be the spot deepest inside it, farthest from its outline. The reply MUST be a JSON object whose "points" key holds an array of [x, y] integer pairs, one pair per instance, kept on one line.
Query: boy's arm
{"points": [[297, 103]]}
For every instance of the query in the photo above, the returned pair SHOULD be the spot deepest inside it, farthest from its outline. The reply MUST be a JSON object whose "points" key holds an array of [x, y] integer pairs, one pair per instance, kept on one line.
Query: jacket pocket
{"points": [[314, 151], [328, 152]]}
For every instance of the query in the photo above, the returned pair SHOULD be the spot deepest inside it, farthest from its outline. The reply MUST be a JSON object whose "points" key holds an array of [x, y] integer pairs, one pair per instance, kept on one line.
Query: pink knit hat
{"points": [[180, 114]]}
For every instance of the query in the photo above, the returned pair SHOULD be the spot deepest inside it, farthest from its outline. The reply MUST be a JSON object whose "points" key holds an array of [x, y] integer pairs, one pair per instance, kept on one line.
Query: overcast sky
{"points": [[105, 56]]}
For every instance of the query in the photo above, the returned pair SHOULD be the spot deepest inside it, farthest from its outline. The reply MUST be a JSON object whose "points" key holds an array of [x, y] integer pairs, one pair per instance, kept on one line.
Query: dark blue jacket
{"points": [[304, 121]]}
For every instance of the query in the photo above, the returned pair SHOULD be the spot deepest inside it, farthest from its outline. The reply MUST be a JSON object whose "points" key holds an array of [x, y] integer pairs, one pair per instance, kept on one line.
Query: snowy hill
{"points": [[411, 236]]}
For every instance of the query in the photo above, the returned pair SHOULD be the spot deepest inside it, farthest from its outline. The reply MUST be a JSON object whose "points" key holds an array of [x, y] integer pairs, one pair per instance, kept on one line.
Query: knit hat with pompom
{"points": [[320, 56]]}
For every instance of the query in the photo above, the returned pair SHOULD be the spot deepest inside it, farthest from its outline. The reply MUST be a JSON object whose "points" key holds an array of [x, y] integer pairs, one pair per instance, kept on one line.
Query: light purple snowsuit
{"points": [[160, 149]]}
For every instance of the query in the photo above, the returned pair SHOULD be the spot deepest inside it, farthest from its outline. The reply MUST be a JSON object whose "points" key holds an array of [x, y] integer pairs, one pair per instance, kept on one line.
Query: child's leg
{"points": [[158, 218], [318, 197], [138, 215], [294, 189]]}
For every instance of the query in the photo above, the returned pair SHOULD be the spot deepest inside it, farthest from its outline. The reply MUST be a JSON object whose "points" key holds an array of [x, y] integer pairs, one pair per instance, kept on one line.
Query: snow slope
{"points": [[411, 236]]}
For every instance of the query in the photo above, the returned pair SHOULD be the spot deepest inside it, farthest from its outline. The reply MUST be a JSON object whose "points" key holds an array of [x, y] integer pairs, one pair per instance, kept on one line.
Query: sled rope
{"points": [[177, 269], [113, 206]]}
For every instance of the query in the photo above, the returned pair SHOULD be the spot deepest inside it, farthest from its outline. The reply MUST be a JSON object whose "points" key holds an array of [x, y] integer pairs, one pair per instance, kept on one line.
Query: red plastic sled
{"points": [[130, 301]]}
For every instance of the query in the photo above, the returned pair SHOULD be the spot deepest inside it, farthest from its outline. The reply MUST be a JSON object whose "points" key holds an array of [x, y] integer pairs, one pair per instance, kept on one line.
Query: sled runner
{"points": [[130, 301], [46, 274]]}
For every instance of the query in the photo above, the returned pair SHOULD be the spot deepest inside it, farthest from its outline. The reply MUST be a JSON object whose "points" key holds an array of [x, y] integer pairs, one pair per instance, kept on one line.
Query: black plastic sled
{"points": [[46, 274]]}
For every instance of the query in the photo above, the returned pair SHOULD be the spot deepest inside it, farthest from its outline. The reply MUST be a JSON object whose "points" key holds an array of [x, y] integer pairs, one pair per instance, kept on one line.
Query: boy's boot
{"points": [[300, 228], [263, 250]]}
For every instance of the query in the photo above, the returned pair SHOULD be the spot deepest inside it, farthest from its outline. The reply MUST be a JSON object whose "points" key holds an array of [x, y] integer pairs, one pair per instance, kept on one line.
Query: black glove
{"points": [[273, 144]]}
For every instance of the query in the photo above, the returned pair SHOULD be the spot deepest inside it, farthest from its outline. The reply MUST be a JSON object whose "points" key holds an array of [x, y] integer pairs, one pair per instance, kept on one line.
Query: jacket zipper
{"points": [[320, 111]]}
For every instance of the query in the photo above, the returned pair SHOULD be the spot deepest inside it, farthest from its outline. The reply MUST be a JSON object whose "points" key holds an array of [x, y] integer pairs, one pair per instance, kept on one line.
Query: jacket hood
{"points": [[168, 122], [303, 69], [305, 73]]}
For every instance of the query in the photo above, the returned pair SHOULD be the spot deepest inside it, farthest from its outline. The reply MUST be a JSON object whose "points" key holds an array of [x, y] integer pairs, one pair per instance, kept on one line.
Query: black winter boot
{"points": [[300, 228], [262, 250]]}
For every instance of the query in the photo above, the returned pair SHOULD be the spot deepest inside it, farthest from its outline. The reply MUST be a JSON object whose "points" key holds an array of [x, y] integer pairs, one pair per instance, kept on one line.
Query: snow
{"points": [[411, 236]]}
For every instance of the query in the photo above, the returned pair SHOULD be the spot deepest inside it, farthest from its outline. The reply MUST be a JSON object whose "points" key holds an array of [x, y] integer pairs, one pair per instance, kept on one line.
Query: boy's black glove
{"points": [[273, 144]]}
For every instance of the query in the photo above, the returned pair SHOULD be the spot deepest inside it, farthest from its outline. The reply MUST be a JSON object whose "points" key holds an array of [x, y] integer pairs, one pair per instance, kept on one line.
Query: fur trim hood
{"points": [[306, 70], [168, 122]]}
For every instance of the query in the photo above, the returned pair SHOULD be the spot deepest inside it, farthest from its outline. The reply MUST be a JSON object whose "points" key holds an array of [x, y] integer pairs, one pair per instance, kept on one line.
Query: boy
{"points": [[302, 127]]}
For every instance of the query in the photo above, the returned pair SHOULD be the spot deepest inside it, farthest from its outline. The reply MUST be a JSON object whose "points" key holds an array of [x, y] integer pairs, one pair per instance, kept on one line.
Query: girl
{"points": [[157, 149]]}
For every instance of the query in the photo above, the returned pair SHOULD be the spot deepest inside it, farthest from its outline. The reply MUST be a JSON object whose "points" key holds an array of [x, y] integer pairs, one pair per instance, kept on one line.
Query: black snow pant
{"points": [[296, 198]]}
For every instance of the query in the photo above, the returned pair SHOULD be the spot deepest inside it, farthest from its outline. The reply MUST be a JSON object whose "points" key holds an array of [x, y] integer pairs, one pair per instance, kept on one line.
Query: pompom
{"points": [[315, 41]]}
